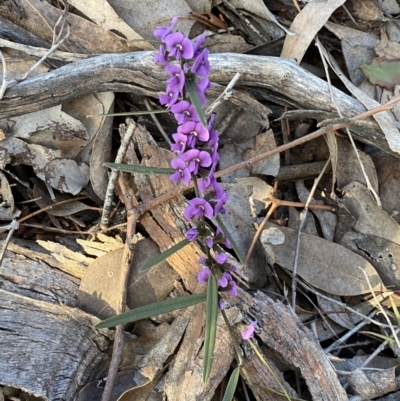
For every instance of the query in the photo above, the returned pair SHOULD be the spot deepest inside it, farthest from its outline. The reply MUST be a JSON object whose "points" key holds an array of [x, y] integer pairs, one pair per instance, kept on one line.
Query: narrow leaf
{"points": [[195, 99], [228, 235], [395, 310], [211, 326], [164, 255], [133, 168], [232, 383], [132, 113], [157, 308]]}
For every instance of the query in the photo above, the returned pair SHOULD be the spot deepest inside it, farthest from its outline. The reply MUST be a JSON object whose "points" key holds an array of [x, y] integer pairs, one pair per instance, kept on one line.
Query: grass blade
{"points": [[211, 326], [164, 255], [228, 235], [231, 387], [134, 168], [196, 102], [157, 308]]}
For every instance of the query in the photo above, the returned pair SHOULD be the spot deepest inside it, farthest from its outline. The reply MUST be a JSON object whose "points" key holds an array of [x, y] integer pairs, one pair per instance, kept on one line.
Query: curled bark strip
{"points": [[276, 79]]}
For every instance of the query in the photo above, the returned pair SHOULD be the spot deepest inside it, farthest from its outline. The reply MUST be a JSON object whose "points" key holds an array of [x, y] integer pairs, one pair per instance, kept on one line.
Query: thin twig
{"points": [[128, 198], [225, 95], [303, 217], [130, 129], [155, 119], [12, 227]]}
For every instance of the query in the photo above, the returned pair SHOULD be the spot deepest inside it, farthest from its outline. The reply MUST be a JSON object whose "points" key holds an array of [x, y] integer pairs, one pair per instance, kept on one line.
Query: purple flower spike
{"points": [[184, 111], [196, 158], [179, 46], [182, 172], [201, 65], [162, 31], [192, 234], [203, 276], [198, 207], [249, 332]]}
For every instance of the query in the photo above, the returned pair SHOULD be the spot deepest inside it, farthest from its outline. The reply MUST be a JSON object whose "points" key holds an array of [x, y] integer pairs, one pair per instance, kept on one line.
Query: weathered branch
{"points": [[279, 80]]}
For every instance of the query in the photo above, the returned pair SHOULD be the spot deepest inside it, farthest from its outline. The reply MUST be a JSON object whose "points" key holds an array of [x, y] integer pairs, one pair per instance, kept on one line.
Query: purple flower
{"points": [[161, 56], [223, 281], [177, 77], [198, 207], [170, 96], [161, 32], [202, 87], [203, 275], [195, 131], [206, 182], [249, 332], [226, 243], [232, 289], [197, 44], [221, 258], [184, 111], [221, 305], [209, 242], [221, 197], [195, 158], [179, 46], [201, 65], [180, 143], [192, 234], [182, 173]]}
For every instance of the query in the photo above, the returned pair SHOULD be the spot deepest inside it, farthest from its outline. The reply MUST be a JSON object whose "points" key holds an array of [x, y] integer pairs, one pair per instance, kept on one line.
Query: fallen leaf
{"points": [[383, 72], [306, 25], [370, 218], [7, 205], [323, 264]]}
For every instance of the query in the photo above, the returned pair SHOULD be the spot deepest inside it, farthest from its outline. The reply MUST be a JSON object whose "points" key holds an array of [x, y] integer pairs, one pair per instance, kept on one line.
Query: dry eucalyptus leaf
{"points": [[323, 264], [100, 12], [97, 150], [384, 255], [97, 293], [240, 222], [366, 10], [51, 128], [144, 16], [294, 222], [357, 47], [349, 168], [341, 317], [86, 37], [306, 25], [7, 205], [327, 220], [371, 219], [388, 171], [43, 199], [237, 152]]}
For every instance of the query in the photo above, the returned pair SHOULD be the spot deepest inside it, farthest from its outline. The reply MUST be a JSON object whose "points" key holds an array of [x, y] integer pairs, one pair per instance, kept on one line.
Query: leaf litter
{"points": [[54, 154]]}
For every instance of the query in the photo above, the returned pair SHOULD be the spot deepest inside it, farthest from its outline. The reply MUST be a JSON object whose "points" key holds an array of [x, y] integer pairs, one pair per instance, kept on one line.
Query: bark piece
{"points": [[49, 350]]}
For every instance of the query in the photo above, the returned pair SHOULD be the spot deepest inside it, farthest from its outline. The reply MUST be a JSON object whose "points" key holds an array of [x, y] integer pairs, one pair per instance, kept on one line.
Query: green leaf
{"points": [[132, 113], [228, 235], [133, 168], [157, 308], [383, 72], [232, 383], [164, 255], [195, 99], [211, 326]]}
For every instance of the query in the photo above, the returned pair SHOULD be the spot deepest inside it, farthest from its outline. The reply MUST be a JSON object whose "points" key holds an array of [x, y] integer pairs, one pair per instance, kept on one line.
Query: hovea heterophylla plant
{"points": [[195, 144]]}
